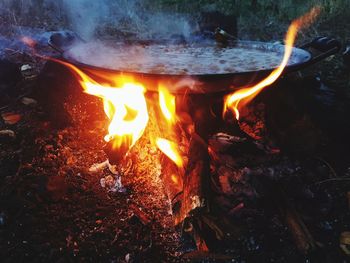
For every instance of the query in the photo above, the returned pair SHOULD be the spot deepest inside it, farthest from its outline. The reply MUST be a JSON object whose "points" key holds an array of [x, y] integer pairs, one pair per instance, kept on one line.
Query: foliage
{"points": [[282, 9]]}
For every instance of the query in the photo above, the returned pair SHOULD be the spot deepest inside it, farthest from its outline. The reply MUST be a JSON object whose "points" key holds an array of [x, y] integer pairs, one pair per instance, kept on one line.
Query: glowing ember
{"points": [[170, 150], [175, 179], [167, 104], [233, 101], [28, 41]]}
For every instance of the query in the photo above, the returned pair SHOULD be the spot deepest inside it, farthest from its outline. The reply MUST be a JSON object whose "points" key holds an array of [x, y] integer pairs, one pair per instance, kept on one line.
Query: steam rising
{"points": [[84, 16], [91, 18]]}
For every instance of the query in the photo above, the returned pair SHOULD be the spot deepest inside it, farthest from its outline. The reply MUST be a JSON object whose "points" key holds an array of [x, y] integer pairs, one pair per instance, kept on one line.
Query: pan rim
{"points": [[304, 54]]}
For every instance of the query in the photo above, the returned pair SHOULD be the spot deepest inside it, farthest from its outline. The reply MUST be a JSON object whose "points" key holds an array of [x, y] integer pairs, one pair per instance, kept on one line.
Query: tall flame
{"points": [[167, 104], [233, 100], [170, 149], [168, 107], [125, 106]]}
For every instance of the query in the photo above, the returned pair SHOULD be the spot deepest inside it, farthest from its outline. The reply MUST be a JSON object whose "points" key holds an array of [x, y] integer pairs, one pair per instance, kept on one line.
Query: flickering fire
{"points": [[167, 104], [127, 110], [170, 149], [124, 104], [168, 108], [126, 107], [243, 96]]}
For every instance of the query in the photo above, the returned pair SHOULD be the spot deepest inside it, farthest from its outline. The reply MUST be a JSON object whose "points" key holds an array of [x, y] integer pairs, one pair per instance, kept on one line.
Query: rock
{"points": [[127, 258], [7, 134], [28, 101], [25, 67]]}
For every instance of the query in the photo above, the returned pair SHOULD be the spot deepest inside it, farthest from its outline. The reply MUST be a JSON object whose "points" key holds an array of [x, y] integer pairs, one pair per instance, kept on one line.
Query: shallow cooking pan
{"points": [[203, 80]]}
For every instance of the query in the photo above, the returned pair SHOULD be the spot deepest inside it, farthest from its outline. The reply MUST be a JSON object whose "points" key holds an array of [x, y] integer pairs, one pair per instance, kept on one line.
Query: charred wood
{"points": [[299, 231]]}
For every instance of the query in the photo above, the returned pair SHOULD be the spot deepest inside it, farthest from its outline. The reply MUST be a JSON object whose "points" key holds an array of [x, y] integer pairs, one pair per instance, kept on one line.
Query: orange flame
{"points": [[233, 100], [125, 106], [175, 179], [169, 149], [167, 104]]}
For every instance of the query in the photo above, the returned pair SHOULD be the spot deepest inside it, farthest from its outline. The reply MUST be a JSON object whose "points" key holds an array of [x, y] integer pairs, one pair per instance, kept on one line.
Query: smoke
{"points": [[91, 19]]}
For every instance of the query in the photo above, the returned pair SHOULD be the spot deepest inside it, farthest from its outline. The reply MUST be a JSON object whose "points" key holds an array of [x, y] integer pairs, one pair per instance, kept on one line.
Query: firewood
{"points": [[301, 235], [299, 231], [195, 181], [141, 215]]}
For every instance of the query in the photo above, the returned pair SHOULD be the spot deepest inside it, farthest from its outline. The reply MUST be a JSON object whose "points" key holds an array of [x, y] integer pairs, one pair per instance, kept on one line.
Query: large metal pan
{"points": [[211, 82]]}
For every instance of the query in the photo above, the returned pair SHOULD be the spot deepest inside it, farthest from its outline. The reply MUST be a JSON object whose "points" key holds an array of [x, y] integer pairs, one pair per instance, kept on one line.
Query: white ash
{"points": [[113, 184]]}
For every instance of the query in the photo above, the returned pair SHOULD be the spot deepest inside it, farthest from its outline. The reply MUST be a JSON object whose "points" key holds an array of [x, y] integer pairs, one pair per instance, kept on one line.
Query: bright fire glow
{"points": [[233, 100], [167, 104], [175, 179], [126, 108], [169, 149], [124, 105], [168, 107]]}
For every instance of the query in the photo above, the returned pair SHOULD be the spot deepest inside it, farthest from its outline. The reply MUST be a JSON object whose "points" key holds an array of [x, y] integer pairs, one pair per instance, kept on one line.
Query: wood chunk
{"points": [[301, 235], [345, 242], [195, 181], [141, 215], [11, 118]]}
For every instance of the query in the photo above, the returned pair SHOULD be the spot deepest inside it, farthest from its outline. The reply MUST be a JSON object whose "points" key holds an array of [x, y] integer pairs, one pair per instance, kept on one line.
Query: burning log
{"points": [[115, 156], [195, 181], [195, 195]]}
